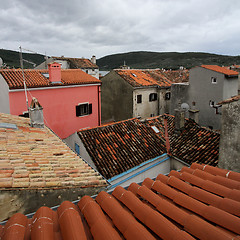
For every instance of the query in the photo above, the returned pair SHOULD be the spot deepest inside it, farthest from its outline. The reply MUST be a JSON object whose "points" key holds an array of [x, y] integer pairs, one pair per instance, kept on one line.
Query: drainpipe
{"points": [[166, 136], [99, 105]]}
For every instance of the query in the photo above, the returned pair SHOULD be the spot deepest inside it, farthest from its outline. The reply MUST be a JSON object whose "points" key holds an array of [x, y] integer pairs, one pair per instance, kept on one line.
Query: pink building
{"points": [[70, 98]]}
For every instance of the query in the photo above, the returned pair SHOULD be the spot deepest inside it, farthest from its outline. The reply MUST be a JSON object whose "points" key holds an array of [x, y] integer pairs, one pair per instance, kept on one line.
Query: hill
{"points": [[167, 60], [12, 59]]}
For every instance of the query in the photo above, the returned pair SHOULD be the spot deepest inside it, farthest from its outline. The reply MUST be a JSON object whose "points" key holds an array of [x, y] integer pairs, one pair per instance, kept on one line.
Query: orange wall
{"points": [[59, 107]]}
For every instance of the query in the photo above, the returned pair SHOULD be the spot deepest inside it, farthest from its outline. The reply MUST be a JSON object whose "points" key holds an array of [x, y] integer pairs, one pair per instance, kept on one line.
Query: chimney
{"points": [[93, 59], [36, 114], [54, 70], [179, 119], [194, 113]]}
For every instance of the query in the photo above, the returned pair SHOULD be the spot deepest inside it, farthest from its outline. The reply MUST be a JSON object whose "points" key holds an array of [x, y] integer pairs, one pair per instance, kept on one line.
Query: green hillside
{"points": [[12, 59], [167, 60]]}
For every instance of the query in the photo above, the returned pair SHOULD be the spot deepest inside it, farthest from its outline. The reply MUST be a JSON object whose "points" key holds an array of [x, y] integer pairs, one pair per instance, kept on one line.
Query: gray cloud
{"points": [[79, 28]]}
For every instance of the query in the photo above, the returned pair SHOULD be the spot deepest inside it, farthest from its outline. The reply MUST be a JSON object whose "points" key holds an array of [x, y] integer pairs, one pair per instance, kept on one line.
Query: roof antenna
{"points": [[24, 83]]}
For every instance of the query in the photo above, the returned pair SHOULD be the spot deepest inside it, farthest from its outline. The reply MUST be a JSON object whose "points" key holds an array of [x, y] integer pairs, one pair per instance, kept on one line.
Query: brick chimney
{"points": [[54, 70]]}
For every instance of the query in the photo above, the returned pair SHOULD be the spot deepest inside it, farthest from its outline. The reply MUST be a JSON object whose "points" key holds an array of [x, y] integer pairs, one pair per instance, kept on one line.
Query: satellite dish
{"points": [[185, 107], [1, 62]]}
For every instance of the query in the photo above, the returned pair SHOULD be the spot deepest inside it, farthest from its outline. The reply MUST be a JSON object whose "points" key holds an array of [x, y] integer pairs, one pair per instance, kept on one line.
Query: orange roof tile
{"points": [[162, 78], [118, 147], [229, 100], [171, 207], [219, 69], [37, 158], [35, 78], [78, 62]]}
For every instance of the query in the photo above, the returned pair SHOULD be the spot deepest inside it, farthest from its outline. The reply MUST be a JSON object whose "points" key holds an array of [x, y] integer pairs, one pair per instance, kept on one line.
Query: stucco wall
{"points": [[4, 97], [145, 108], [163, 104], [229, 147], [179, 93], [29, 200], [59, 107], [116, 96], [202, 90], [74, 138], [230, 87]]}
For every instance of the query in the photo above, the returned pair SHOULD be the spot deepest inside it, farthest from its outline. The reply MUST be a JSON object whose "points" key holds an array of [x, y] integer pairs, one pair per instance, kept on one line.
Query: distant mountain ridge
{"points": [[12, 58], [167, 60], [138, 60]]}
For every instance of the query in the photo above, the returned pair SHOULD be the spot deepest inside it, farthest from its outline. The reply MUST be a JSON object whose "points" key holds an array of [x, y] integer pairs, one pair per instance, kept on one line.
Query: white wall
{"points": [[4, 96], [146, 108], [74, 138], [64, 64], [93, 72], [148, 169]]}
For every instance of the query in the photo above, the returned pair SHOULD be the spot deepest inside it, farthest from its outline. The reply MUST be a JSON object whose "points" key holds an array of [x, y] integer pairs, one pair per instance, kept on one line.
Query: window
{"points": [[151, 115], [77, 149], [139, 98], [167, 96], [152, 97], [83, 109], [211, 103], [213, 80]]}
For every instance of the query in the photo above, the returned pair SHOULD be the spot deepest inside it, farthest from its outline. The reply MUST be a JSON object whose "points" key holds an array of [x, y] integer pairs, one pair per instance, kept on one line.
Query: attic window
{"points": [[214, 80], [134, 74]]}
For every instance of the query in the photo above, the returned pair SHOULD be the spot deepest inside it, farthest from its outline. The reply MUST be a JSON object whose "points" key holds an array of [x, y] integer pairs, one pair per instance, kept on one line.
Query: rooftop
{"points": [[120, 146], [229, 100], [35, 78], [37, 158], [200, 202], [78, 62], [219, 69], [157, 77]]}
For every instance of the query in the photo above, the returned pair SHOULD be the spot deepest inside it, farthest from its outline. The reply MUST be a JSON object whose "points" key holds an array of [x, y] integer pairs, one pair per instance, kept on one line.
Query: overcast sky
{"points": [[82, 28]]}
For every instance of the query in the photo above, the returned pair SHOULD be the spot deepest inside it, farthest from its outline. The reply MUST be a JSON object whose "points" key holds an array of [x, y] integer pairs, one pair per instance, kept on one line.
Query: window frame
{"points": [[213, 80], [139, 96], [153, 97], [81, 111]]}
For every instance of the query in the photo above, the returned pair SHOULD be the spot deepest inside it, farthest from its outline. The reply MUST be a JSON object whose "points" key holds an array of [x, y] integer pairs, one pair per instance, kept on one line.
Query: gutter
{"points": [[136, 168]]}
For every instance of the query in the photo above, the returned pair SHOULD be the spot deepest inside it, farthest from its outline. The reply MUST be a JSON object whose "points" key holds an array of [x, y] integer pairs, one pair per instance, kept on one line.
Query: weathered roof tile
{"points": [[170, 207]]}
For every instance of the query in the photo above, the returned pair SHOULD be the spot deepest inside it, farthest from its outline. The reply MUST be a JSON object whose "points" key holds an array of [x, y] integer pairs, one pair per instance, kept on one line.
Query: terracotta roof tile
{"points": [[117, 147], [168, 208], [162, 78], [35, 78], [219, 69], [31, 158], [229, 100], [78, 62]]}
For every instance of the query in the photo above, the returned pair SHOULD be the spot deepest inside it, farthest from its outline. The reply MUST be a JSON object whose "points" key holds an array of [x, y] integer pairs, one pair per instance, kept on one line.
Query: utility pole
{"points": [[24, 83]]}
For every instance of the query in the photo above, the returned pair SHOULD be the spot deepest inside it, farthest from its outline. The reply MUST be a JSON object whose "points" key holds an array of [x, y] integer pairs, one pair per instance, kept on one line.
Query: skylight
{"points": [[8, 125], [155, 129], [46, 75], [134, 74]]}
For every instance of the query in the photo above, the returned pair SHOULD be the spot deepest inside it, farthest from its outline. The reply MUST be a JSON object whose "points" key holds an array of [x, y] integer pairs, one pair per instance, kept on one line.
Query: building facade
{"points": [[70, 98], [128, 93]]}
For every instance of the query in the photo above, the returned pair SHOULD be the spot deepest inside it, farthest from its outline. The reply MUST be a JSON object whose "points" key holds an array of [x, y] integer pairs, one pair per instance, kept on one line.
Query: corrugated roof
{"points": [[37, 158], [162, 78], [35, 78], [219, 69], [200, 202], [117, 147]]}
